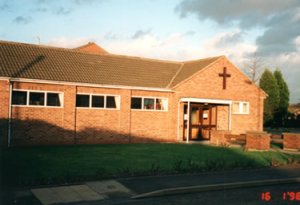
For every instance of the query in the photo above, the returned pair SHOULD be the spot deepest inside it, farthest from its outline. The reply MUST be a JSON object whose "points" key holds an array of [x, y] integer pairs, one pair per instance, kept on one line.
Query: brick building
{"points": [[86, 95]]}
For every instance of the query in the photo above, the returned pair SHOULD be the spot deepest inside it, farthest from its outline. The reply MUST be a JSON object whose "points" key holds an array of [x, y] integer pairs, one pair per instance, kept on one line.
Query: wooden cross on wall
{"points": [[224, 75]]}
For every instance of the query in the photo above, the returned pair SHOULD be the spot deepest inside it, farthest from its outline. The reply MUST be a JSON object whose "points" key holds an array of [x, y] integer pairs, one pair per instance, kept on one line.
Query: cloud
{"points": [[248, 12], [190, 33], [280, 19], [65, 42], [4, 7], [175, 46], [40, 10], [140, 33], [280, 35], [230, 38], [82, 2], [62, 11], [22, 19], [110, 36]]}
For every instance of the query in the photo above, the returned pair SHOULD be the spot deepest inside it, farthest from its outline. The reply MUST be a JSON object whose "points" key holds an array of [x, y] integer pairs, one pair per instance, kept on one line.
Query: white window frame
{"points": [[118, 102], [60, 95], [150, 97], [240, 112]]}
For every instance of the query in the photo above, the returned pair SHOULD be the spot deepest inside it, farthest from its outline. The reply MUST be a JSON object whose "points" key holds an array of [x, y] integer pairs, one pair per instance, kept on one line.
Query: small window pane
{"points": [[37, 99], [98, 101], [235, 107], [111, 102], [245, 107], [19, 97], [194, 115], [161, 104], [136, 103], [148, 103], [82, 100], [53, 99]]}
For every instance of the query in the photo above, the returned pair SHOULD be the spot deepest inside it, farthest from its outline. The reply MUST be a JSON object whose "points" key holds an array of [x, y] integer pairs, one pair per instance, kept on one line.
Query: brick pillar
{"points": [[4, 107], [69, 121], [258, 141], [125, 115], [291, 141]]}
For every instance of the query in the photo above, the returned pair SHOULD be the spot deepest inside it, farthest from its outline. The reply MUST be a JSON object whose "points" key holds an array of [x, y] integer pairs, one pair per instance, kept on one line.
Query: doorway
{"points": [[203, 119]]}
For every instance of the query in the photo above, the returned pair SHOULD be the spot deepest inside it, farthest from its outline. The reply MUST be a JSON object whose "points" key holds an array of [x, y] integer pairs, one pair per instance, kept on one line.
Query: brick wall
{"points": [[291, 141], [4, 99], [152, 125], [69, 125], [217, 137], [258, 141], [208, 85], [44, 125]]}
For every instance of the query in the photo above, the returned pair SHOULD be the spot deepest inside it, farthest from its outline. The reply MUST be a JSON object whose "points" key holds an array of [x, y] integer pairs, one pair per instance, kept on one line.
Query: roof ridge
{"points": [[202, 59], [72, 50], [145, 58], [36, 45], [176, 74], [85, 45]]}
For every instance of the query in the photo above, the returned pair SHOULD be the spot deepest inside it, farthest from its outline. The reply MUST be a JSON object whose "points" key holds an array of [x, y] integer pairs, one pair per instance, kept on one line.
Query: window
{"points": [[53, 99], [110, 102], [235, 107], [161, 104], [19, 97], [149, 103], [240, 107], [37, 98], [97, 101], [82, 101], [136, 103]]}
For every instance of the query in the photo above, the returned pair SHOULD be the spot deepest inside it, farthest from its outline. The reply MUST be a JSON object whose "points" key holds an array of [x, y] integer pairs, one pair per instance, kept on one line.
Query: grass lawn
{"points": [[29, 166]]}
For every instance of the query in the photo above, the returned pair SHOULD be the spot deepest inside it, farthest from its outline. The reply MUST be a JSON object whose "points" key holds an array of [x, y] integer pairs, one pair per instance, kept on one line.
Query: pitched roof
{"points": [[19, 60], [191, 67], [91, 47]]}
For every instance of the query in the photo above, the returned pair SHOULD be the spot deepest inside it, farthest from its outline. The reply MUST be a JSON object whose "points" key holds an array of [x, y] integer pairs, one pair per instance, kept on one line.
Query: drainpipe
{"points": [[9, 115]]}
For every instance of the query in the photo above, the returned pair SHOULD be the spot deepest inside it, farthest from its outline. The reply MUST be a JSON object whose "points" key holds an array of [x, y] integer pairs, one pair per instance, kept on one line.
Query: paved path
{"points": [[144, 186]]}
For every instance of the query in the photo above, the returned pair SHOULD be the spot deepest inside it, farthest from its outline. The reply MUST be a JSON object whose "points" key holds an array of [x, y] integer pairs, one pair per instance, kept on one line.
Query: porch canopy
{"points": [[204, 101]]}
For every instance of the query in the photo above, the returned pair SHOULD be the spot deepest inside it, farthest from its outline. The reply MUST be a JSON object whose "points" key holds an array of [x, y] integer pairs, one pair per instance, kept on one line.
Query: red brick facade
{"points": [[71, 125], [291, 141], [258, 141]]}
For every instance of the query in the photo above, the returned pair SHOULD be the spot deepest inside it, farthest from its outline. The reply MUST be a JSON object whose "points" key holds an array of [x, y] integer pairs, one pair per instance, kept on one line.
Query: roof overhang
{"points": [[25, 80], [204, 100]]}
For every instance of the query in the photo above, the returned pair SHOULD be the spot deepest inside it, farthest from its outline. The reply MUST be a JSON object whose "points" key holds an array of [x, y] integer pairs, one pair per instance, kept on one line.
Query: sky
{"points": [[167, 29]]}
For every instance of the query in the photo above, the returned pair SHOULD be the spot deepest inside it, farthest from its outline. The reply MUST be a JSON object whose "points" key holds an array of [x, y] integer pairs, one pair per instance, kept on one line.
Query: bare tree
{"points": [[253, 67]]}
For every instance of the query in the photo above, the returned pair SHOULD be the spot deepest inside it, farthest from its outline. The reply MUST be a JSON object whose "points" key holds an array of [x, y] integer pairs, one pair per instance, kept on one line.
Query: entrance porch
{"points": [[203, 119]]}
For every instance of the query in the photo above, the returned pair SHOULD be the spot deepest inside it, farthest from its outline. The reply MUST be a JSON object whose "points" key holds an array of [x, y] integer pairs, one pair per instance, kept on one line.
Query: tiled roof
{"points": [[29, 61], [191, 67]]}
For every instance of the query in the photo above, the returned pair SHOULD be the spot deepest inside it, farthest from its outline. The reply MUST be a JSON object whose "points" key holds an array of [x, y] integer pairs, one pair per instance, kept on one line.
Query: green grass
{"points": [[64, 164]]}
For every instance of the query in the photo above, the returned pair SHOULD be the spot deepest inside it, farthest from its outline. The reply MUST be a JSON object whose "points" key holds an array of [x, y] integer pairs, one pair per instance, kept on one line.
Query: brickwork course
{"points": [[92, 70], [291, 141]]}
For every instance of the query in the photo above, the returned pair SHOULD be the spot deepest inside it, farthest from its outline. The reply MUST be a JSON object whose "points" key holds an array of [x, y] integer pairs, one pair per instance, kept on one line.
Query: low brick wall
{"points": [[291, 141], [217, 137], [258, 141]]}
